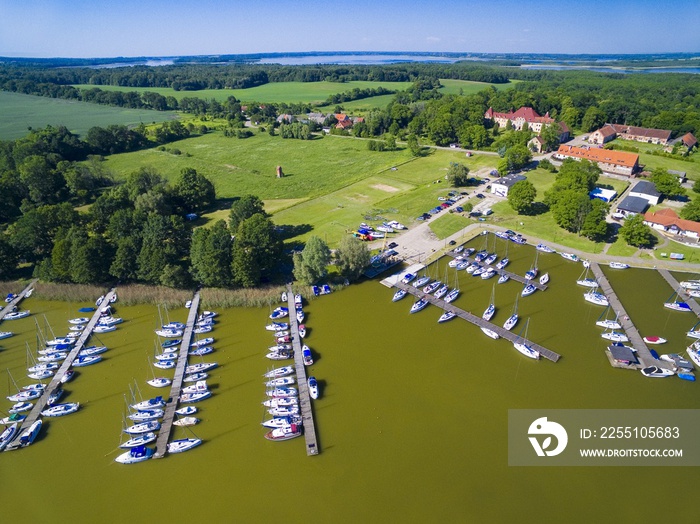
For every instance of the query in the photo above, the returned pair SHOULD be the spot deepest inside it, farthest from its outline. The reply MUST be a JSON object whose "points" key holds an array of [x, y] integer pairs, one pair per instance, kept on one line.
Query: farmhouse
{"points": [[631, 205], [501, 186], [647, 191], [603, 135], [689, 141], [639, 134], [668, 221], [618, 162]]}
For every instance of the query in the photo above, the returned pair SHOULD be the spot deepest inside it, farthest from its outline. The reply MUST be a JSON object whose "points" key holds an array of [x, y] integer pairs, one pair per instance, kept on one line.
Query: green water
{"points": [[412, 422]]}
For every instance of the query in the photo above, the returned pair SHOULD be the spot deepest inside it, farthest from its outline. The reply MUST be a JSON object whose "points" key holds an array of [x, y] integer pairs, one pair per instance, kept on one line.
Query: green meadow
{"points": [[20, 112]]}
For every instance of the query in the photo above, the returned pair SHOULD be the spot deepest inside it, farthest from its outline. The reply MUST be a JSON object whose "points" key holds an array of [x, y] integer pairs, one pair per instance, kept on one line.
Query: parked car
{"points": [[475, 214], [459, 209], [479, 195], [452, 242], [392, 245]]}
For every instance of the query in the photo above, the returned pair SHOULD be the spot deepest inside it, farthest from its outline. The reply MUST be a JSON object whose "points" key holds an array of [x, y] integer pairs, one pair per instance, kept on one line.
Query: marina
{"points": [[16, 300], [304, 397], [668, 277], [175, 390], [56, 381]]}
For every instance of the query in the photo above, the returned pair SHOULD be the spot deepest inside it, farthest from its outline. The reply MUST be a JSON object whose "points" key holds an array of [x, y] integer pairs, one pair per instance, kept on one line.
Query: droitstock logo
{"points": [[542, 427]]}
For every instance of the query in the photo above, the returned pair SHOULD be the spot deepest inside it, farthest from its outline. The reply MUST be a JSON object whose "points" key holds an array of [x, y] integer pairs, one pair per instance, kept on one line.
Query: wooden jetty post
{"points": [[677, 287], [9, 307], [169, 416], [65, 366], [304, 398]]}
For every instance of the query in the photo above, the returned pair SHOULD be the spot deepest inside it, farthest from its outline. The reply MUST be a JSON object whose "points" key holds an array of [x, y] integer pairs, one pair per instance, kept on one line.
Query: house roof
{"points": [[608, 156], [622, 353], [633, 204], [645, 187], [661, 134], [525, 113], [509, 180], [667, 217], [607, 130], [563, 128], [689, 140]]}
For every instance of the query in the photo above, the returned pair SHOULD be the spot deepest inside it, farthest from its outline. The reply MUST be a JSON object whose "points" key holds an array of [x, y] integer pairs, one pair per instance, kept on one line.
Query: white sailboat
{"points": [[585, 281], [491, 309], [607, 323], [594, 297], [513, 318], [521, 344]]}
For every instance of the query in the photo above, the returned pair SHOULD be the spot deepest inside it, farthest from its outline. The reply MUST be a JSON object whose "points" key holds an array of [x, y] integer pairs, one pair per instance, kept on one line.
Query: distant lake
{"points": [[359, 59], [599, 69]]}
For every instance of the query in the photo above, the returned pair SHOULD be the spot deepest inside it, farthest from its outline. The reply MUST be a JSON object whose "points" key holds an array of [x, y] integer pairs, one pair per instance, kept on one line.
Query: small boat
{"points": [[656, 372], [298, 300], [68, 376], [199, 367], [279, 312], [99, 301], [282, 392], [86, 361], [452, 295], [186, 421], [159, 382], [278, 421], [528, 290], [326, 289], [313, 388], [30, 434], [609, 324], [202, 342], [202, 329], [615, 336], [169, 333], [104, 329], [151, 403], [281, 402], [654, 340], [7, 435], [79, 327], [302, 331], [16, 315], [59, 410], [206, 314], [139, 440], [110, 321], [544, 279], [171, 343], [694, 354], [11, 419], [6, 334], [199, 386], [432, 287], [618, 265], [135, 454], [469, 252], [419, 305], [195, 397], [307, 356], [277, 326], [187, 410], [188, 304], [503, 263], [421, 281], [143, 427], [447, 315], [686, 375], [279, 372], [10, 297], [544, 248], [144, 415], [316, 290], [20, 407], [518, 239], [408, 278], [400, 293], [481, 255], [596, 298], [679, 362], [678, 306], [284, 433], [570, 256], [503, 279], [490, 333], [174, 325], [510, 323], [86, 310], [531, 274], [195, 377]]}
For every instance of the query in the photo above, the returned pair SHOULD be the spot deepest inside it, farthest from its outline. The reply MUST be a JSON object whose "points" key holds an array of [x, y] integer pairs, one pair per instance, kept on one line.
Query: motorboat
{"points": [[618, 265], [277, 326], [656, 372], [307, 356], [68, 376], [432, 287], [104, 329], [462, 265], [20, 407], [186, 411], [694, 354], [135, 454], [678, 306], [302, 331], [30, 434], [169, 333], [197, 387], [59, 410], [151, 403], [110, 321], [282, 392], [281, 421], [419, 305], [199, 367], [544, 279], [452, 295], [503, 263], [300, 316], [86, 361], [654, 340], [7, 435], [10, 297], [678, 361], [570, 256], [279, 312], [284, 433], [510, 323], [143, 427], [447, 315], [206, 314], [408, 278], [615, 336], [596, 298], [400, 293], [544, 248], [455, 261], [79, 320], [6, 334], [99, 301], [279, 372], [472, 267], [490, 333], [202, 329], [489, 312], [16, 315], [609, 324], [421, 281], [396, 225], [186, 421], [489, 273], [528, 290], [77, 328], [281, 402], [139, 440], [195, 377], [202, 342], [518, 239], [503, 278], [188, 304], [159, 382], [195, 397], [11, 419], [144, 415]]}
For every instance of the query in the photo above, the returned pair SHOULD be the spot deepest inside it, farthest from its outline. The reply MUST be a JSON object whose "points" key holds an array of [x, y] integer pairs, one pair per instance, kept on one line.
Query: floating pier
{"points": [[10, 306], [55, 383], [169, 416], [677, 287], [635, 339], [304, 399], [513, 276], [478, 321]]}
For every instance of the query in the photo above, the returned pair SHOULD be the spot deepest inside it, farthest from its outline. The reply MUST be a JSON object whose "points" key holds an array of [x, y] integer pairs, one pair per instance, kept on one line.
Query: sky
{"points": [[98, 28]]}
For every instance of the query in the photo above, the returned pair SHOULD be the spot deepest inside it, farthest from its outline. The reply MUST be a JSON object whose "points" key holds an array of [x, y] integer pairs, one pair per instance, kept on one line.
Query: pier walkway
{"points": [[169, 416], [513, 276], [478, 321], [677, 287], [55, 383], [635, 339], [9, 307], [304, 399]]}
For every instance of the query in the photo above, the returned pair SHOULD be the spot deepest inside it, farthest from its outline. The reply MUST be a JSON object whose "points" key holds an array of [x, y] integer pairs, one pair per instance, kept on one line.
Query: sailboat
{"points": [[596, 298], [532, 272], [694, 331], [158, 382], [454, 292], [521, 344], [513, 318], [676, 305], [584, 280], [400, 293], [491, 309], [607, 323]]}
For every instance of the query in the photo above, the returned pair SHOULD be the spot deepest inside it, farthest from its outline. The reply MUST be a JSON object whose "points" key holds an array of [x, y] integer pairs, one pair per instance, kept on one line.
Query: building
{"points": [[689, 141], [623, 355], [536, 144], [632, 205], [668, 221], [318, 118], [639, 134], [618, 162], [501, 186], [681, 175], [647, 191], [606, 195], [527, 115]]}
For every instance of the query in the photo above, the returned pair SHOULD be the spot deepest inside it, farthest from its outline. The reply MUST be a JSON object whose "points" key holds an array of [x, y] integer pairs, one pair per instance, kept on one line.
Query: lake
{"points": [[412, 418]]}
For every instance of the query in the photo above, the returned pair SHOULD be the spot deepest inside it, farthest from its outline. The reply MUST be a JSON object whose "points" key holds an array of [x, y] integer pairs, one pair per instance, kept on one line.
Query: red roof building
{"points": [[619, 162], [668, 221]]}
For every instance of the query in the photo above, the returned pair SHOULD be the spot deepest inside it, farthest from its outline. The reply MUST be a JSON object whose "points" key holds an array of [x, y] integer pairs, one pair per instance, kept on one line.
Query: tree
{"points": [[352, 257], [635, 232], [413, 145], [124, 266], [521, 196], [311, 264], [594, 225], [42, 181], [593, 119], [517, 156], [143, 181], [696, 186], [165, 241], [666, 183], [256, 251], [550, 136], [570, 210], [244, 208], [691, 211], [8, 258], [211, 255], [193, 191], [458, 174]]}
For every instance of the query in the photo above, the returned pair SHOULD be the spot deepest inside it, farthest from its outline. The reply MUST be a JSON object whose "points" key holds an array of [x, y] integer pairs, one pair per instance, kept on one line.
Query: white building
{"points": [[501, 186]]}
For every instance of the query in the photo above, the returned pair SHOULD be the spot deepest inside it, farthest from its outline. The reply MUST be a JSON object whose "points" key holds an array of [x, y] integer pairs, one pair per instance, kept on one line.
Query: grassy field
{"points": [[467, 87], [19, 112]]}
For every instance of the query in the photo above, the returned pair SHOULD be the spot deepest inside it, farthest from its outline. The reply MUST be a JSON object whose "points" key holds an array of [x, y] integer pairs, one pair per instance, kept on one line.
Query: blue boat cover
{"points": [[86, 309]]}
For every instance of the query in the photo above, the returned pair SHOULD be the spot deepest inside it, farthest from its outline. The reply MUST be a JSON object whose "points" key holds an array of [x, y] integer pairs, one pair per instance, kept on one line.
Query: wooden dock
{"points": [[55, 383], [681, 292], [478, 321], [169, 416], [635, 339], [304, 399], [499, 272], [15, 301]]}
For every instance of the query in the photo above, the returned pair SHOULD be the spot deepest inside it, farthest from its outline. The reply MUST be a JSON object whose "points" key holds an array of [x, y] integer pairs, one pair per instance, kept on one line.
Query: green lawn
{"points": [[448, 224], [467, 87], [651, 162], [19, 112]]}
